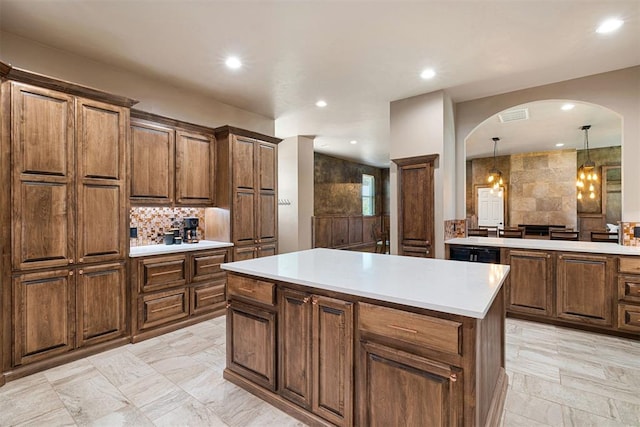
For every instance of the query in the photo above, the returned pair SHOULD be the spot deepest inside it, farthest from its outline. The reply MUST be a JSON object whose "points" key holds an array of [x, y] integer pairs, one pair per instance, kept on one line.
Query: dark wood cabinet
{"points": [[585, 288], [172, 162], [294, 362], [101, 302], [246, 193], [194, 169], [629, 294], [43, 153], [397, 388], [43, 315], [415, 206], [152, 163], [176, 290], [530, 286]]}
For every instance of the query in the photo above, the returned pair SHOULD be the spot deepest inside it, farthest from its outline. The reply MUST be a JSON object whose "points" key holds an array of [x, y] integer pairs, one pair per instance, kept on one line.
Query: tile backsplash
{"points": [[152, 222], [627, 233], [455, 228]]}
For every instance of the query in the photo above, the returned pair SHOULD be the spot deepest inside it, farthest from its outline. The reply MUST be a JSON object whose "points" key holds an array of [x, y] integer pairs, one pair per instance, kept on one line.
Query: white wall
{"points": [[617, 90], [423, 125], [295, 184], [154, 96]]}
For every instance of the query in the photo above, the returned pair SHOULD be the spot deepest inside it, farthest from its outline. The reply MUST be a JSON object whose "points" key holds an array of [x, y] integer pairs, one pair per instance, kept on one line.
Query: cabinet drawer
{"points": [[438, 334], [629, 265], [629, 288], [206, 265], [629, 317], [208, 297], [163, 307], [162, 272], [251, 289]]}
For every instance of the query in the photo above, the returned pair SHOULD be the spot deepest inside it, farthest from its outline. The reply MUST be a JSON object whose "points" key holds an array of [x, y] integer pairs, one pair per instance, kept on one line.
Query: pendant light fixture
{"points": [[495, 175], [587, 175]]}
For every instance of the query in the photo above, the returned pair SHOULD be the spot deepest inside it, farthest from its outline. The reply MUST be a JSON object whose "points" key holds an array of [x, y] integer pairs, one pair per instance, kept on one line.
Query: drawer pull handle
{"points": [[248, 290], [454, 378], [314, 300], [211, 296], [160, 273], [400, 328], [169, 307], [209, 266]]}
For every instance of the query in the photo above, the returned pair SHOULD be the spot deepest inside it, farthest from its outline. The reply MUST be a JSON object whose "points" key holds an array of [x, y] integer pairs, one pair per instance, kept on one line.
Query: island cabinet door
{"points": [[251, 343], [586, 288], [332, 358], [294, 328], [396, 388], [530, 286]]}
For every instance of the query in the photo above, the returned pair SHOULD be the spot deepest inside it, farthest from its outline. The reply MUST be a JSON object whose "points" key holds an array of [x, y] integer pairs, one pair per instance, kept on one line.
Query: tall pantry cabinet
{"points": [[63, 258], [246, 193]]}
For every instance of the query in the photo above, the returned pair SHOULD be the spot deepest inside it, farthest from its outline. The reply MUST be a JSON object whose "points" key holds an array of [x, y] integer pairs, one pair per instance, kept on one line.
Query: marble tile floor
{"points": [[557, 377]]}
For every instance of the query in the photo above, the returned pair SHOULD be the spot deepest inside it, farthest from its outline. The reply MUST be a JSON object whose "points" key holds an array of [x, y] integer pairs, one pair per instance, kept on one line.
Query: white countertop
{"points": [[549, 245], [147, 250], [455, 287]]}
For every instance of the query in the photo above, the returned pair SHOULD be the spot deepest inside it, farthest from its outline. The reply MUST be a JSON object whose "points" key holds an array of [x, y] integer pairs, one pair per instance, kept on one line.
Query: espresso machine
{"points": [[191, 230]]}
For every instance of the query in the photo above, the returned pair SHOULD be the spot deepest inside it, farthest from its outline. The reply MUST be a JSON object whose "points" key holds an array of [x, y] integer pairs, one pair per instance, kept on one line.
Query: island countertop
{"points": [[454, 287], [549, 245]]}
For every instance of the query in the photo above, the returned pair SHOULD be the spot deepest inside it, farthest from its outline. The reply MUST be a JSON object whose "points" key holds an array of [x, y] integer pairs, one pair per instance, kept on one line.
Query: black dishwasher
{"points": [[474, 254]]}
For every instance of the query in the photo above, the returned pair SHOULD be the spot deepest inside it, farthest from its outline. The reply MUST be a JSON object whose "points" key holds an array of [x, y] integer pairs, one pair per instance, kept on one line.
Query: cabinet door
{"points": [[205, 265], [332, 360], [586, 288], [162, 272], [267, 250], [416, 223], [244, 253], [194, 169], [243, 163], [251, 343], [244, 225], [396, 388], [43, 223], [340, 231], [267, 217], [163, 307], [100, 303], [152, 164], [43, 315], [101, 198], [267, 166], [294, 338], [530, 283]]}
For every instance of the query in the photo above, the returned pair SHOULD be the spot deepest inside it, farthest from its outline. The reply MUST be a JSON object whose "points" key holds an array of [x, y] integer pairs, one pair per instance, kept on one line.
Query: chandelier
{"points": [[495, 175], [587, 175]]}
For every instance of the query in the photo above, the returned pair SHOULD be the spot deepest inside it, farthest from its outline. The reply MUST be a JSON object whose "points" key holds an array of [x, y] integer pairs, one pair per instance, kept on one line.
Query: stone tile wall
{"points": [[455, 228], [627, 233]]}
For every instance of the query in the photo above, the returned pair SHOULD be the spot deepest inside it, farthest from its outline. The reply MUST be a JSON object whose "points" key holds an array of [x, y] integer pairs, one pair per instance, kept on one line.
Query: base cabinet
{"points": [[172, 291], [530, 286], [333, 359], [396, 388]]}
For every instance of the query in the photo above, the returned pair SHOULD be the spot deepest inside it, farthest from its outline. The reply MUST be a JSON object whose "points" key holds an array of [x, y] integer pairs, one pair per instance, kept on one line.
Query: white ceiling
{"points": [[356, 55]]}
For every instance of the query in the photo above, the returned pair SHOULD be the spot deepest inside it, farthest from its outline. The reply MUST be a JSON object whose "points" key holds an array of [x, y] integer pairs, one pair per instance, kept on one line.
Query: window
{"points": [[368, 195]]}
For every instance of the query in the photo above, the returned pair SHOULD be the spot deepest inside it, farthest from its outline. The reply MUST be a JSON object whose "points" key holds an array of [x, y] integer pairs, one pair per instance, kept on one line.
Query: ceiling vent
{"points": [[514, 115]]}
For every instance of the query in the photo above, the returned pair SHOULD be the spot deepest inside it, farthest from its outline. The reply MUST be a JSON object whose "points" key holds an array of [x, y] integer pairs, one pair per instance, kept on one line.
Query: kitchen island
{"points": [[346, 338]]}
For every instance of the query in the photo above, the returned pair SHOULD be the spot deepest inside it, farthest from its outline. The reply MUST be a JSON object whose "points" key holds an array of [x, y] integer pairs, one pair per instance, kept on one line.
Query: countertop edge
{"points": [[151, 250], [549, 245]]}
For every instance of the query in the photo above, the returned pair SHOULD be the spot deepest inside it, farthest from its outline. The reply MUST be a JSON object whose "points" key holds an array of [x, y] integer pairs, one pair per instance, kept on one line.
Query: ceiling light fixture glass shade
{"points": [[587, 175], [495, 175]]}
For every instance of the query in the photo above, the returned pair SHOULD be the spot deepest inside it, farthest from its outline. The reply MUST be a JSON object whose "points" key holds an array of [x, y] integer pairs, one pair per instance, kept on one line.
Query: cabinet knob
{"points": [[80, 271], [306, 300], [81, 260], [453, 378], [71, 261], [228, 305], [71, 273], [314, 300]]}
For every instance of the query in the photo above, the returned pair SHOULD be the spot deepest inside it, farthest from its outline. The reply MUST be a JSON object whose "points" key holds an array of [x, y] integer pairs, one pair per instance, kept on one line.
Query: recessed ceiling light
{"points": [[321, 104], [428, 74], [353, 141], [233, 62], [567, 107], [559, 144], [609, 26]]}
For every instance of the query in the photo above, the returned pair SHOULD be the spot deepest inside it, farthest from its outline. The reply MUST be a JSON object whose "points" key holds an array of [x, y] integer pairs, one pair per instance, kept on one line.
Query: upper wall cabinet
{"points": [[172, 163]]}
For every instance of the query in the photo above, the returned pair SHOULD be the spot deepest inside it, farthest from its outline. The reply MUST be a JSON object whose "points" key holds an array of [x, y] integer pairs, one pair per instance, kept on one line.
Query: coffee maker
{"points": [[191, 230]]}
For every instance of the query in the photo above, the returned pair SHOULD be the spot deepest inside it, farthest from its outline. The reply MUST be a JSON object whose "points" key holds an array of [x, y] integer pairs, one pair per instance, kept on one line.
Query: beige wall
{"points": [[154, 96], [295, 186], [617, 90]]}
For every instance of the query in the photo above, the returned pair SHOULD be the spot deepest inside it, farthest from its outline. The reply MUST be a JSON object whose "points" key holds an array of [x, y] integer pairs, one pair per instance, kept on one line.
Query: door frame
{"points": [[505, 205]]}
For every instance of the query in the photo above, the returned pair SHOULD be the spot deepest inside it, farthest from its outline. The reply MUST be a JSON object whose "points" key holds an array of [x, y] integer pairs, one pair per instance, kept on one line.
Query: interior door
{"points": [[490, 207]]}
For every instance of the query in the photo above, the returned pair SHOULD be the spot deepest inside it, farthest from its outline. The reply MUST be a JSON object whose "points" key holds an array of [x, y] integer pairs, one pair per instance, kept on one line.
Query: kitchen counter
{"points": [[466, 289], [148, 250], [549, 245]]}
